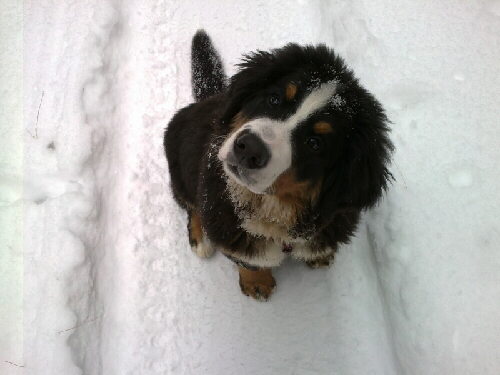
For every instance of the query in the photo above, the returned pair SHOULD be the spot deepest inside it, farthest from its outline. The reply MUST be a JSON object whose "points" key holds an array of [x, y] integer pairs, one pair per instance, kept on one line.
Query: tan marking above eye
{"points": [[323, 127], [291, 91], [238, 121]]}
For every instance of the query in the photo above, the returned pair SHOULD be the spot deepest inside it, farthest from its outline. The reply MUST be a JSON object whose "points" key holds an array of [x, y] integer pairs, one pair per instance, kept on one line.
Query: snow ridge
{"points": [[99, 97]]}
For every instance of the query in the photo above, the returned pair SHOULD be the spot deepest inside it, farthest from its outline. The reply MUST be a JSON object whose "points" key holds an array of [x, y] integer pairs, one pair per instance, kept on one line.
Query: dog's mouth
{"points": [[239, 174], [247, 160], [233, 169]]}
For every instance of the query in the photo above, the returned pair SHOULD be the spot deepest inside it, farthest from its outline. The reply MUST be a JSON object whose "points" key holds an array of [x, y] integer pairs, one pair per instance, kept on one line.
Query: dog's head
{"points": [[298, 120]]}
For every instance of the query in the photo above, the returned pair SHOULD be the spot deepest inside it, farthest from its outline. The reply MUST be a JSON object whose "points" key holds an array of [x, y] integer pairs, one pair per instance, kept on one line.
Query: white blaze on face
{"points": [[277, 135]]}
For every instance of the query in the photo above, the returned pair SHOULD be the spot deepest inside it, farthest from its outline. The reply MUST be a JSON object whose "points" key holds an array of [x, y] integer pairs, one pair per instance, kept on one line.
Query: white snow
{"points": [[11, 206], [110, 284]]}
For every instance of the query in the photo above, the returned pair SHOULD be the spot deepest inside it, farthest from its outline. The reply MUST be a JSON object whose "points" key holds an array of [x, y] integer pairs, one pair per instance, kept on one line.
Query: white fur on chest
{"points": [[270, 220], [268, 230], [263, 215]]}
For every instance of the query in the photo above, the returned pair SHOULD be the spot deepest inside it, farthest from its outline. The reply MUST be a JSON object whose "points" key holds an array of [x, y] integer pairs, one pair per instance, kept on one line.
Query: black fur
{"points": [[207, 73], [352, 168]]}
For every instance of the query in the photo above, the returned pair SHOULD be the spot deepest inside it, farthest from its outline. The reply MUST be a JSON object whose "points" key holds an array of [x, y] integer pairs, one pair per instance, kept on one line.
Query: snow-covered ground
{"points": [[110, 284]]}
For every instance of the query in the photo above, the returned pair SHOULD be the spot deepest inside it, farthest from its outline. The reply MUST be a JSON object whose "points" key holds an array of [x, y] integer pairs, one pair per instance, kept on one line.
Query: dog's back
{"points": [[188, 133], [207, 72]]}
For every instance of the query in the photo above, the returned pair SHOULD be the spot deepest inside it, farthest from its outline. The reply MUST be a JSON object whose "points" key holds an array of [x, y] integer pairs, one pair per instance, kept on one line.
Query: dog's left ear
{"points": [[359, 177]]}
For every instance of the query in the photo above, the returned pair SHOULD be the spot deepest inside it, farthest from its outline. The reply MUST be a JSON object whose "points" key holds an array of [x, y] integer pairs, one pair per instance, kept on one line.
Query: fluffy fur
{"points": [[326, 138]]}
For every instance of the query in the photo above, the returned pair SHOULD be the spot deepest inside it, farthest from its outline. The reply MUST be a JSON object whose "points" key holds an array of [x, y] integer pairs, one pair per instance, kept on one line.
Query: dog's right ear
{"points": [[254, 71]]}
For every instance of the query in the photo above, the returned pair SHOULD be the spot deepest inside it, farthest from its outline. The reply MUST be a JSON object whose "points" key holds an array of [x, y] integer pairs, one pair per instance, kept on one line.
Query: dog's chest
{"points": [[272, 228], [264, 215]]}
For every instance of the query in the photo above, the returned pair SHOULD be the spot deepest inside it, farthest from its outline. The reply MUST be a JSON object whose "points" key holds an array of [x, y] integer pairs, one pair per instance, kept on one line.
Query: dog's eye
{"points": [[274, 100], [314, 143]]}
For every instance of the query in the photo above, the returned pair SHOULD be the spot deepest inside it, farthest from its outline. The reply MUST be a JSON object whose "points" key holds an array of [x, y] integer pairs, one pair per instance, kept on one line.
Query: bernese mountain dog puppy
{"points": [[277, 161]]}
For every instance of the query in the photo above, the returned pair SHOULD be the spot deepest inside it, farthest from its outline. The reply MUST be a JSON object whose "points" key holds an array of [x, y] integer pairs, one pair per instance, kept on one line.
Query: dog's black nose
{"points": [[250, 151]]}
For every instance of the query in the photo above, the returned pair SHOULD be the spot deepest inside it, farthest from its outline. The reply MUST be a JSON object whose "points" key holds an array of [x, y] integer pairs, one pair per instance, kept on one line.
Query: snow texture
{"points": [[110, 283]]}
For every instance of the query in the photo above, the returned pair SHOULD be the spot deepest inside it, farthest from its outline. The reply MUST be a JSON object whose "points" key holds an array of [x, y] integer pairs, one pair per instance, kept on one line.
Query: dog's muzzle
{"points": [[257, 154]]}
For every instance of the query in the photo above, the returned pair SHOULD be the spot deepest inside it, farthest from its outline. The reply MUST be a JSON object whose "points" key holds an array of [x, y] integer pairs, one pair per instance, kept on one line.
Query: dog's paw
{"points": [[203, 249], [319, 263], [260, 290]]}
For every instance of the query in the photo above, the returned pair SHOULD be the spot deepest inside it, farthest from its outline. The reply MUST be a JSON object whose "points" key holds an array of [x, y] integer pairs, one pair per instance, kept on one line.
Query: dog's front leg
{"points": [[197, 238], [259, 284]]}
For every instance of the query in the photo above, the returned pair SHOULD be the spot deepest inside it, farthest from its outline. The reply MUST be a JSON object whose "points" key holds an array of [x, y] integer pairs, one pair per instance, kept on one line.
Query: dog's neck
{"points": [[269, 215], [267, 207]]}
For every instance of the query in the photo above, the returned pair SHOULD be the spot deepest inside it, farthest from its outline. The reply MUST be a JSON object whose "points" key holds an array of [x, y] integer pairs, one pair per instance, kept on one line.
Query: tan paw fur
{"points": [[258, 284]]}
